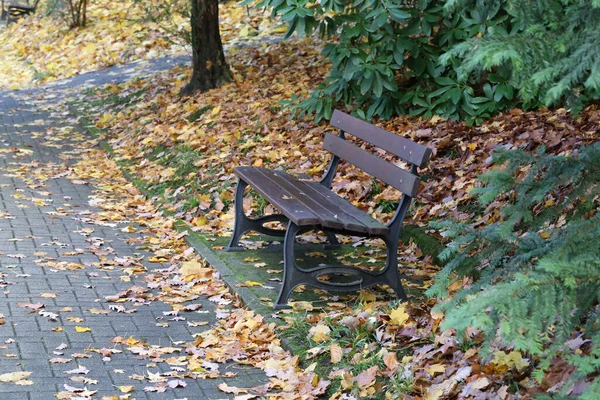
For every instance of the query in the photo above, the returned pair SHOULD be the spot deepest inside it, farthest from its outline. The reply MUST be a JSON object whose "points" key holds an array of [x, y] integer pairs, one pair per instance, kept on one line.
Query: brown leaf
{"points": [[336, 353], [391, 361], [367, 378]]}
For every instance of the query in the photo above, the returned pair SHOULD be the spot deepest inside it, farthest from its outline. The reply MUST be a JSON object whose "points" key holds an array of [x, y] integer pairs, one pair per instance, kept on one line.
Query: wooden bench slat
{"points": [[374, 227], [297, 190], [333, 215], [291, 195], [394, 176], [404, 148], [296, 211]]}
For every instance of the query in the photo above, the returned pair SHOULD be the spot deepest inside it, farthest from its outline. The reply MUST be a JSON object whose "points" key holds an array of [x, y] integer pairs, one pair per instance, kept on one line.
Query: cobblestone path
{"points": [[44, 237]]}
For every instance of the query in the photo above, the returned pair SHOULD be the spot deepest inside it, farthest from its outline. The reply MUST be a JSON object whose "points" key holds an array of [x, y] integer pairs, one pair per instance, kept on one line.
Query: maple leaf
{"points": [[319, 333], [367, 377], [193, 269], [399, 316], [514, 359]]}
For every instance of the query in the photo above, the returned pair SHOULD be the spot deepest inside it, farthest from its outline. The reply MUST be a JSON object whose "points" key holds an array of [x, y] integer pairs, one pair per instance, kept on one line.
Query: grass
{"points": [[361, 351], [198, 113], [115, 99]]}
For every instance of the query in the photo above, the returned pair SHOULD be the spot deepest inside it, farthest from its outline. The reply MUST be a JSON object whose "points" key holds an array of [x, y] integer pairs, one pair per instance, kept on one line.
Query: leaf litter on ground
{"points": [[241, 123]]}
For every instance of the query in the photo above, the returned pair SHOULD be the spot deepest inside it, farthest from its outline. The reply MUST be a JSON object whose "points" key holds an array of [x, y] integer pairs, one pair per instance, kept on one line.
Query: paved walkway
{"points": [[43, 221]]}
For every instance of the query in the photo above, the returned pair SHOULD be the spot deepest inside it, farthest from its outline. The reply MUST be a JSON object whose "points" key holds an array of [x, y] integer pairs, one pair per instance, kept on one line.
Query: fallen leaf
{"points": [[14, 376], [319, 333], [126, 389], [336, 353], [399, 316], [231, 389]]}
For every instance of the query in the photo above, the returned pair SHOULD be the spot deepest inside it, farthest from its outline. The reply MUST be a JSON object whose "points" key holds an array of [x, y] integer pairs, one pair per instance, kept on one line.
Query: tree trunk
{"points": [[210, 69]]}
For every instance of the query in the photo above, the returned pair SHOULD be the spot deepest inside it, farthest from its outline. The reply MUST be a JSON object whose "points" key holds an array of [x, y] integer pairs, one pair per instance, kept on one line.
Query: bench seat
{"points": [[309, 203]]}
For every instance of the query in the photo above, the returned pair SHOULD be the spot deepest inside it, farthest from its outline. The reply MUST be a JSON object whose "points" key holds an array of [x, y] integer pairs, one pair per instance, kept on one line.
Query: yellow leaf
{"points": [[82, 329], [128, 229], [125, 389], [367, 296], [195, 269], [252, 283], [280, 29], [132, 341], [435, 369], [301, 305], [399, 316], [514, 359], [544, 235], [199, 221], [215, 111], [319, 332], [315, 380], [472, 146]]}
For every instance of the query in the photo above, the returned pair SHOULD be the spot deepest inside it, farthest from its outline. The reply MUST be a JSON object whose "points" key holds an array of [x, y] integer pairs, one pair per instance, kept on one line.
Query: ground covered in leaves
{"points": [[181, 153], [118, 32]]}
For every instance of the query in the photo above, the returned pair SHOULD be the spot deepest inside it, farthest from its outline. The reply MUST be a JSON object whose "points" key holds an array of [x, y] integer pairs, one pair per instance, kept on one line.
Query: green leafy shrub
{"points": [[457, 59], [535, 274]]}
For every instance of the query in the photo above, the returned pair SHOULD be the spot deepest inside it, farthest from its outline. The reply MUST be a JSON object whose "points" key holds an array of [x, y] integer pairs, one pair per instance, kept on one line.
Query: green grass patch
{"points": [[355, 333], [198, 113]]}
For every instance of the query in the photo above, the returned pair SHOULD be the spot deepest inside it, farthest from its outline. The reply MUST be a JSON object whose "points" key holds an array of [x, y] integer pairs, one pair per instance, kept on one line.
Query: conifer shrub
{"points": [[534, 274]]}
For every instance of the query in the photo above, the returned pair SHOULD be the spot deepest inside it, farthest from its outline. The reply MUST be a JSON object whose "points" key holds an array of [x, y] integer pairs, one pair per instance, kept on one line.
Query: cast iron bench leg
{"points": [[291, 274], [391, 273], [244, 224], [294, 276]]}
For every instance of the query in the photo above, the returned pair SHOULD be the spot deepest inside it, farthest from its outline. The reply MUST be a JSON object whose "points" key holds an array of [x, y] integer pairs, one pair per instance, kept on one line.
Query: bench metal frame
{"points": [[295, 275]]}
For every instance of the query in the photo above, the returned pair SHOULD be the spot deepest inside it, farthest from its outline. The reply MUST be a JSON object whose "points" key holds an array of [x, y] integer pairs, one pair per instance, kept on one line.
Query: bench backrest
{"points": [[407, 150]]}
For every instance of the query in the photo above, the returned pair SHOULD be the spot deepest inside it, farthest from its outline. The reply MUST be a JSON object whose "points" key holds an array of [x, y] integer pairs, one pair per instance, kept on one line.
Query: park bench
{"points": [[15, 11], [307, 205]]}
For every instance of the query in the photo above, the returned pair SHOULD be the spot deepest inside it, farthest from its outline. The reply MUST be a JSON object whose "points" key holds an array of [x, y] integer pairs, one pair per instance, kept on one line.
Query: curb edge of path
{"points": [[225, 271], [227, 274]]}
